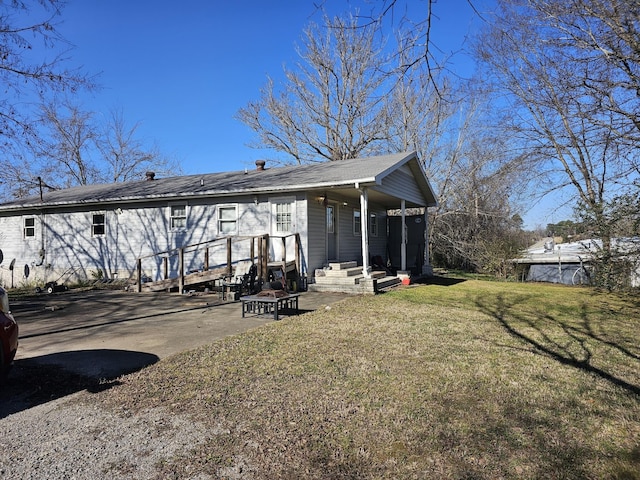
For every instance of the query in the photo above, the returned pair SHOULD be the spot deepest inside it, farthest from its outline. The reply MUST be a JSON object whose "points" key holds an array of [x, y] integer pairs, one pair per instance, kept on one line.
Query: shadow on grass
{"points": [[38, 380], [572, 349], [437, 280]]}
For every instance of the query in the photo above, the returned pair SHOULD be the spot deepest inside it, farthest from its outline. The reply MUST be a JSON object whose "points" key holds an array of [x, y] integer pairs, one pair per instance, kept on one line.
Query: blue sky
{"points": [[184, 69]]}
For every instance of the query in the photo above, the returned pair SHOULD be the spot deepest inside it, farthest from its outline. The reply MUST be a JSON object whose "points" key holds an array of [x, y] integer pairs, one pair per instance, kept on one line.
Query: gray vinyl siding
{"points": [[317, 235], [350, 247], [15, 247], [12, 242], [378, 244], [350, 244], [401, 183], [131, 231]]}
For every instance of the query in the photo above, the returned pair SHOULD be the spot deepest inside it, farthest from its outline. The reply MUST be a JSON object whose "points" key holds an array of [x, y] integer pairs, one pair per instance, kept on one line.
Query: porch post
{"points": [[139, 271], [426, 266], [403, 245], [364, 228], [181, 269]]}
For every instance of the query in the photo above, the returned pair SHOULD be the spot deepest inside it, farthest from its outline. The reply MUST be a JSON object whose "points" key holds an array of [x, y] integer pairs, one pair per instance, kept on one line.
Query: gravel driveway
{"points": [[76, 344]]}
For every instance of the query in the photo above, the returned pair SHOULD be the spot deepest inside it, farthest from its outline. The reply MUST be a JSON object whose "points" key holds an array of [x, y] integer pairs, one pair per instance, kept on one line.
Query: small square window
{"points": [[178, 217], [97, 226], [29, 227]]}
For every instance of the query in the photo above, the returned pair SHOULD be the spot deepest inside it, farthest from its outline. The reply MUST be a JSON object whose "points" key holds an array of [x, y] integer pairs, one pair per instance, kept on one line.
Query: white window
{"points": [[178, 217], [357, 223], [227, 220], [29, 227], [373, 225], [97, 225], [283, 217]]}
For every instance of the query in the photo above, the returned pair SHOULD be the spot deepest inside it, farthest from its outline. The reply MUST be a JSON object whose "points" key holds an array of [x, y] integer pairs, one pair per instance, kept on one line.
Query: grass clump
{"points": [[471, 380]]}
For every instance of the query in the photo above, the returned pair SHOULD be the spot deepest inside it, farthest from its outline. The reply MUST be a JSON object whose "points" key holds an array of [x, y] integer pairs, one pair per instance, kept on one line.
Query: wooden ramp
{"points": [[217, 257], [193, 279]]}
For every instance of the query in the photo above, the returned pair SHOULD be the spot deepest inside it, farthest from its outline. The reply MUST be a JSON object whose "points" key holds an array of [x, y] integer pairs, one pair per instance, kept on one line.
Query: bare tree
{"points": [[570, 75], [352, 97], [420, 108], [66, 145], [604, 35], [332, 106], [450, 123], [74, 149], [125, 156], [570, 136], [25, 26], [480, 182]]}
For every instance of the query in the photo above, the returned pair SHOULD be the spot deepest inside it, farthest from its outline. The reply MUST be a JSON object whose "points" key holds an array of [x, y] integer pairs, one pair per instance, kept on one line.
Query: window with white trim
{"points": [[283, 217], [97, 225], [228, 219], [29, 227], [178, 217]]}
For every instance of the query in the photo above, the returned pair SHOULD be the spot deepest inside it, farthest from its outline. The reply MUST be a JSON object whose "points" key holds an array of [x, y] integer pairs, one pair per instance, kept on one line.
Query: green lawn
{"points": [[473, 379]]}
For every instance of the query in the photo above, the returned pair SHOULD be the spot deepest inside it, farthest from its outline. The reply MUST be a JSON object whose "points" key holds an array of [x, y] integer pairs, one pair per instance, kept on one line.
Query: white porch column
{"points": [[403, 245], [364, 228]]}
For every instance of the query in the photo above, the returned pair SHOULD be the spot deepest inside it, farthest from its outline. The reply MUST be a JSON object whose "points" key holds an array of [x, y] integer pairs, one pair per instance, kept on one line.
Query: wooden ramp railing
{"points": [[215, 258]]}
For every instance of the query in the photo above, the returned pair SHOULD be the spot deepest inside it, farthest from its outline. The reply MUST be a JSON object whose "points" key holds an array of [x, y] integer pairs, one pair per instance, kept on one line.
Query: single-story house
{"points": [[570, 263], [320, 220]]}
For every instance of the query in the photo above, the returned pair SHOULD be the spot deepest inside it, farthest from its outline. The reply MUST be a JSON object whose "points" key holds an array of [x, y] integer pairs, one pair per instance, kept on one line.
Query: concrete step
{"points": [[351, 279], [336, 280], [343, 265], [343, 272], [355, 285], [388, 282], [352, 272]]}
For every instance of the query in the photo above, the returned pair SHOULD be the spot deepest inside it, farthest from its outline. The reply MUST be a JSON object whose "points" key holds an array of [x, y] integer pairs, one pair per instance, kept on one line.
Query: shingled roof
{"points": [[360, 171]]}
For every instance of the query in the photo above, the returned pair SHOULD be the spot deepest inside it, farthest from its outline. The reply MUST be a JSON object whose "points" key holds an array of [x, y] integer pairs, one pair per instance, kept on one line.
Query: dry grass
{"points": [[470, 380]]}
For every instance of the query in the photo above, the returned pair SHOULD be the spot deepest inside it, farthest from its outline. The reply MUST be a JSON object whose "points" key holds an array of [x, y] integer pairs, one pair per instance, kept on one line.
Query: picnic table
{"points": [[269, 304]]}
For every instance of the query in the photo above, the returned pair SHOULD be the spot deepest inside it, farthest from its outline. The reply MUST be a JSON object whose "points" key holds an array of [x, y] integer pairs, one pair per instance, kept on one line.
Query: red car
{"points": [[8, 335]]}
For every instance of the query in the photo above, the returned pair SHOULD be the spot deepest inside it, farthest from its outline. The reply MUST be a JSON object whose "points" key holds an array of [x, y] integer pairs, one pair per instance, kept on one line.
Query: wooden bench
{"points": [[265, 304]]}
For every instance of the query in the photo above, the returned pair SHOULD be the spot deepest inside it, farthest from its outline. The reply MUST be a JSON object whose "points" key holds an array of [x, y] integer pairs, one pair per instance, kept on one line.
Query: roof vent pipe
{"points": [[260, 164], [150, 176]]}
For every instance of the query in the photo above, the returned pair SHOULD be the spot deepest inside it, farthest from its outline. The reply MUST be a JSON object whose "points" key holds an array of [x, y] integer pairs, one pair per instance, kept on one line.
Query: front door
{"points": [[332, 233]]}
